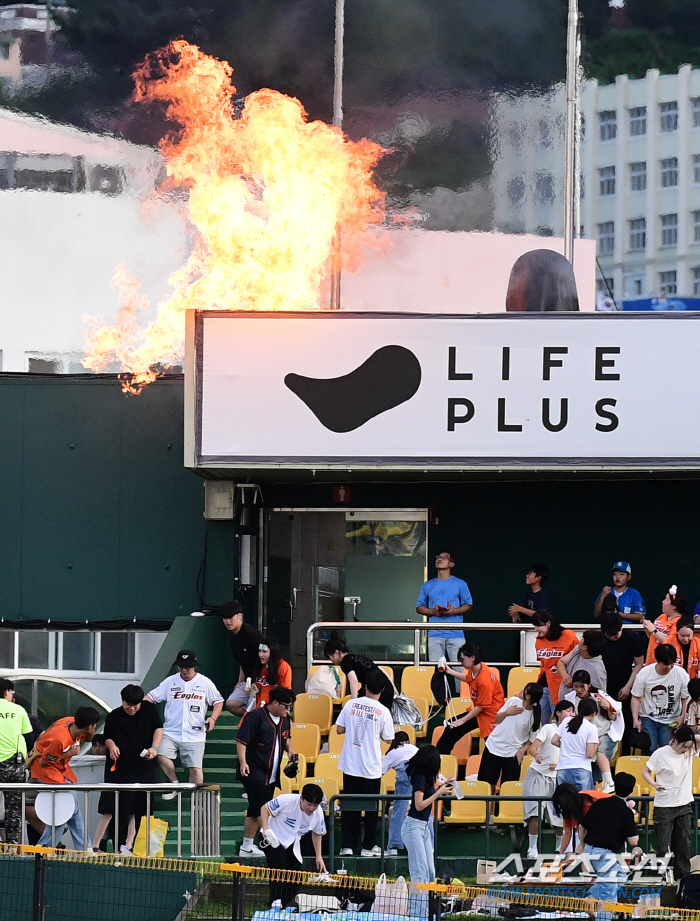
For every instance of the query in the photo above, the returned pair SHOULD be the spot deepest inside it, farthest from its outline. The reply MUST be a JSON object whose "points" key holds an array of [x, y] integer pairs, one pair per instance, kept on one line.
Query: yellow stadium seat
{"points": [[388, 670], [306, 739], [292, 784], [696, 775], [458, 706], [415, 682], [461, 750], [335, 741], [527, 760], [448, 765], [424, 707], [314, 708], [519, 676], [329, 786], [410, 732], [342, 690], [469, 812], [633, 764], [327, 766], [389, 781], [510, 812], [472, 767]]}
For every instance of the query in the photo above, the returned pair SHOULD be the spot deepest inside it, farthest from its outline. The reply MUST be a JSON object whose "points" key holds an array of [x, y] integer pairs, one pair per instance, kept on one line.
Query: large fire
{"points": [[269, 194]]}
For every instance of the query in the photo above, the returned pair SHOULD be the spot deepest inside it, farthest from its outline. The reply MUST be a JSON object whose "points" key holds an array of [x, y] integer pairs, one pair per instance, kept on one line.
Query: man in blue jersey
{"points": [[443, 600], [629, 601]]}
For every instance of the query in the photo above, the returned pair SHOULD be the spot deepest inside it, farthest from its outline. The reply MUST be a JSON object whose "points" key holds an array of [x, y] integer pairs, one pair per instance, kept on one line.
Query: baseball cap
{"points": [[621, 566], [186, 659]]}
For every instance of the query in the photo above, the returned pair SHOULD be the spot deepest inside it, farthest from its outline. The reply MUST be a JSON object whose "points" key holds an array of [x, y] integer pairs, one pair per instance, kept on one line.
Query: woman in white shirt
{"points": [[672, 766], [609, 722], [577, 740], [397, 757], [509, 741]]}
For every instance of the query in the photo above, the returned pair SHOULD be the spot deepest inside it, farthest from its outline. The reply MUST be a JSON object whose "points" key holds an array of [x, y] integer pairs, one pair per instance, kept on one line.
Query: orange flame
{"points": [[268, 193]]}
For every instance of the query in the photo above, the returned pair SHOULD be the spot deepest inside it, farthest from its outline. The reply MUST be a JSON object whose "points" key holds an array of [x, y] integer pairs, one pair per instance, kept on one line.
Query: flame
{"points": [[269, 195]]}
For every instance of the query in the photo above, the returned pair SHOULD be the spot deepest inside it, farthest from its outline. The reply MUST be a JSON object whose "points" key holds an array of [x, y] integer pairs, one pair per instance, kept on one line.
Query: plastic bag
{"points": [[324, 903], [405, 712], [325, 680], [159, 832], [390, 898]]}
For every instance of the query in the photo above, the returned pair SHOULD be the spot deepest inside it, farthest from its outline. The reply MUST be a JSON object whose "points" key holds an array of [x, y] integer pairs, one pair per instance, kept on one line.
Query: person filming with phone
{"points": [[443, 600]]}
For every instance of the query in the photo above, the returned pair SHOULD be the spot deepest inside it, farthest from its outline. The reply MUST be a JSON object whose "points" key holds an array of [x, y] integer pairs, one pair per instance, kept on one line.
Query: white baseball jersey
{"points": [[186, 705], [288, 821]]}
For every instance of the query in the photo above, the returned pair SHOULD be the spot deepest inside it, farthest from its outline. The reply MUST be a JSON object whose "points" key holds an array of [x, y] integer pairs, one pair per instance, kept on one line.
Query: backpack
{"points": [[689, 891]]}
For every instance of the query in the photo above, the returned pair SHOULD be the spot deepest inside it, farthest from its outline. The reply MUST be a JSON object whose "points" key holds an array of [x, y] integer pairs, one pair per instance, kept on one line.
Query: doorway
{"points": [[340, 565]]}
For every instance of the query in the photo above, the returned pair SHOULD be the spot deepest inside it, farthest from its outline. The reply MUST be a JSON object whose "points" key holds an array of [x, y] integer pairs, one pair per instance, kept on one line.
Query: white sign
{"points": [[388, 390]]}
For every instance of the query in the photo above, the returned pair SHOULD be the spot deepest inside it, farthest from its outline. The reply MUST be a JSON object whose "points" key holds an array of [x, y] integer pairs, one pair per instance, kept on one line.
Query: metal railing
{"points": [[488, 826], [418, 629], [200, 812]]}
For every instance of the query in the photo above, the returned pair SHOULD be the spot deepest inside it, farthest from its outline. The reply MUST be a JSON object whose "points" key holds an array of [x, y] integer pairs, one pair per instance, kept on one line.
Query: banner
{"points": [[408, 390]]}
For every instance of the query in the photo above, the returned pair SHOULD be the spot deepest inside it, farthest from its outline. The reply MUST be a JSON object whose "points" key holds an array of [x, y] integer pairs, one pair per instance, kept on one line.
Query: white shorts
{"points": [[239, 694], [191, 753], [537, 784]]}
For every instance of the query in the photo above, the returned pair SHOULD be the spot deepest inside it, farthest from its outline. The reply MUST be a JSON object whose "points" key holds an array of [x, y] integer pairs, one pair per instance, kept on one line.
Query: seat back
{"points": [[424, 707], [329, 785], [389, 671], [448, 765], [519, 676], [465, 812], [326, 765], [510, 812], [415, 682], [527, 761], [306, 739], [335, 741], [472, 766], [633, 764], [314, 708], [410, 732], [389, 782], [292, 784], [458, 706], [696, 775]]}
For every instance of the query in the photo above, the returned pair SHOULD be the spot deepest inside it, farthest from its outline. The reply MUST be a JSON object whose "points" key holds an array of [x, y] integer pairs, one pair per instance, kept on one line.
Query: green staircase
{"points": [[219, 768]]}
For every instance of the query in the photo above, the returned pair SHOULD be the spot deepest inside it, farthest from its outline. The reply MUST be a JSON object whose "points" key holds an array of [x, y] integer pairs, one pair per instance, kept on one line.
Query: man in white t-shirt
{"points": [[284, 822], [187, 697], [541, 777], [660, 696], [365, 723]]}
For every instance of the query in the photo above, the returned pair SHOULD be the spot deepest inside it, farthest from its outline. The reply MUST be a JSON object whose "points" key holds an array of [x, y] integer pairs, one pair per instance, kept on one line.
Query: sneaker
{"points": [[126, 850], [392, 852], [253, 851], [608, 788], [277, 904], [376, 851], [347, 852], [171, 795], [244, 796], [532, 852]]}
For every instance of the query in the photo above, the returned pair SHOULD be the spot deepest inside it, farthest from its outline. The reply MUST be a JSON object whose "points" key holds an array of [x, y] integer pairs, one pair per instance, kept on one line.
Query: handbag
{"points": [[325, 680], [306, 902], [390, 898], [404, 712], [159, 831]]}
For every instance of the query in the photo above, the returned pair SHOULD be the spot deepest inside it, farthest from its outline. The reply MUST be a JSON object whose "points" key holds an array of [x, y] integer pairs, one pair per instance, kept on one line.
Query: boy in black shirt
{"points": [[356, 667], [536, 598], [623, 655]]}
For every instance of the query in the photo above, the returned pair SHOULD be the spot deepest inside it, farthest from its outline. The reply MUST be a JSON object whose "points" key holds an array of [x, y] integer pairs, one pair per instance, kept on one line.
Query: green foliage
{"points": [[634, 52]]}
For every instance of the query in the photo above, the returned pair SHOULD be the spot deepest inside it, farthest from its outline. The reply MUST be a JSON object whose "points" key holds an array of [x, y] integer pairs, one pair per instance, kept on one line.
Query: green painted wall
{"points": [[100, 520]]}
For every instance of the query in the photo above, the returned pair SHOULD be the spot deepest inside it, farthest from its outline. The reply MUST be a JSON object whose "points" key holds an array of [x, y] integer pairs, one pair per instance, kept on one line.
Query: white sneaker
{"points": [[253, 851], [532, 851], [277, 904], [347, 852], [125, 850], [171, 795], [609, 787], [392, 852], [375, 852]]}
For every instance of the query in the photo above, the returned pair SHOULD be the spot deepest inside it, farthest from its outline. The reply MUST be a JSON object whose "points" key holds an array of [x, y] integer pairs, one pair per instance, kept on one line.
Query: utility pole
{"points": [[572, 217], [338, 62]]}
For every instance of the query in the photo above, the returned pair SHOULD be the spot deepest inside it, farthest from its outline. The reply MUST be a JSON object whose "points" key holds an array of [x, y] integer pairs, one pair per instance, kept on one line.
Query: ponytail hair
{"points": [[401, 738], [587, 707], [534, 692]]}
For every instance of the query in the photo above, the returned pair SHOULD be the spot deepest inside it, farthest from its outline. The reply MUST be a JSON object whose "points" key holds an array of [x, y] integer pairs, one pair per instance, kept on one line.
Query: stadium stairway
{"points": [[219, 768]]}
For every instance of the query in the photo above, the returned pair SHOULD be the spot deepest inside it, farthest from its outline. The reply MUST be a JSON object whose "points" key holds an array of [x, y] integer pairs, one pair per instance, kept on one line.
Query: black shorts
{"points": [[258, 795], [492, 767]]}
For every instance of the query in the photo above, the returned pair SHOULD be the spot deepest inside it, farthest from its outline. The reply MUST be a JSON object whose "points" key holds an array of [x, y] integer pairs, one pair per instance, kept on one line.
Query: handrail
{"points": [[418, 628]]}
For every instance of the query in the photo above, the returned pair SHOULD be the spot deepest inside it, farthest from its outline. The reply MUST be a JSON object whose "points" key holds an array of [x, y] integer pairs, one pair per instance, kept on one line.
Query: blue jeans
{"points": [[447, 647], [403, 788], [76, 827], [582, 780], [547, 705], [419, 844], [606, 888], [659, 733]]}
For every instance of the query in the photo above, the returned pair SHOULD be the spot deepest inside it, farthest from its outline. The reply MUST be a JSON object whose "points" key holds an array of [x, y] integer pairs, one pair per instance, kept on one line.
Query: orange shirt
{"points": [[667, 626], [589, 797], [548, 654], [51, 766], [485, 691], [284, 680], [693, 654]]}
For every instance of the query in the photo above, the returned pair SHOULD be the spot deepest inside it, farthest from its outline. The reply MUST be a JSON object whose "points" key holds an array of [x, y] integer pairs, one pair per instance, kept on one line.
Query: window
{"points": [[545, 133], [696, 226], [606, 180], [638, 176], [516, 190], [606, 238], [43, 366], [696, 281], [544, 188], [106, 179], [77, 651], [605, 286], [7, 648], [515, 135], [638, 234], [669, 172], [669, 229], [117, 652], [696, 169], [36, 649], [695, 111], [634, 286], [608, 125], [638, 121], [667, 283], [668, 120]]}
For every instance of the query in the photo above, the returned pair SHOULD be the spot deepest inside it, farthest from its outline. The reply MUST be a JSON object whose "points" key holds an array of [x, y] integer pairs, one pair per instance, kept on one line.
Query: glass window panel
{"points": [[78, 652], [7, 648], [117, 652], [34, 648], [386, 538]]}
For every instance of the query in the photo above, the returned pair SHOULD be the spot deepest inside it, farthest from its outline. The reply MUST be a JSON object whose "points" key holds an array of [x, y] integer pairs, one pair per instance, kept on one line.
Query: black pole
{"points": [[39, 895], [238, 898]]}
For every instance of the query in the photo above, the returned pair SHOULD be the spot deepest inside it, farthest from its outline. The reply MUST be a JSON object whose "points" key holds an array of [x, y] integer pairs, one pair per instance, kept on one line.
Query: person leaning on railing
{"points": [[14, 725]]}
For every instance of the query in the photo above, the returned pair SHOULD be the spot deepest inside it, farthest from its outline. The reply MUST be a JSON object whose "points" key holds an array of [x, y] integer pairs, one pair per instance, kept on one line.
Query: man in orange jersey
{"points": [[486, 694], [55, 748]]}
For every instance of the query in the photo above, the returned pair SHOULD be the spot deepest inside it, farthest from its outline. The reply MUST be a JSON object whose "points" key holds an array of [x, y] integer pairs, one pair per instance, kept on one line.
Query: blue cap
{"points": [[623, 567]]}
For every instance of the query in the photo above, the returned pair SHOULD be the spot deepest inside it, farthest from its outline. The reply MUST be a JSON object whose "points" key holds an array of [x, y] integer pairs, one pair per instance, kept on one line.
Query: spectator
{"points": [[263, 738], [423, 770], [398, 755], [536, 598], [687, 646], [54, 749], [541, 777], [486, 694], [693, 715], [588, 656], [572, 804], [507, 745], [272, 672], [14, 726], [672, 769], [105, 827], [664, 628], [245, 646], [443, 600], [577, 739], [605, 830], [629, 601], [356, 668], [133, 733], [285, 820], [365, 721], [187, 696], [552, 642], [623, 655], [609, 723], [660, 696]]}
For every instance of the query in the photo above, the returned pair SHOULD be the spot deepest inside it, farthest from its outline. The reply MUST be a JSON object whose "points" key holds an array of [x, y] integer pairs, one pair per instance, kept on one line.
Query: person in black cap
{"points": [[187, 696], [245, 645]]}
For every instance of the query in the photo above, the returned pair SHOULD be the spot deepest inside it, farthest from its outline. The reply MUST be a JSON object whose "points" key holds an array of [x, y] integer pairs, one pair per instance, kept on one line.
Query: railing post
{"points": [[416, 647], [331, 833], [39, 893], [238, 898]]}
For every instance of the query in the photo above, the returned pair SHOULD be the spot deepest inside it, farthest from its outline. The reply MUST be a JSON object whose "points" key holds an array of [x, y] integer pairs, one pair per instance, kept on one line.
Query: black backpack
{"points": [[689, 891]]}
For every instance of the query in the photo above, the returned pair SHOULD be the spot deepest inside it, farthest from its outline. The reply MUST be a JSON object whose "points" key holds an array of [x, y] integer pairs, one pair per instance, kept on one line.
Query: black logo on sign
{"points": [[389, 377]]}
